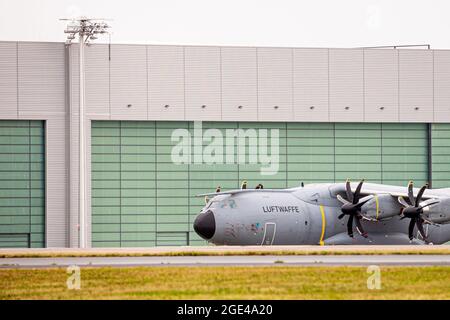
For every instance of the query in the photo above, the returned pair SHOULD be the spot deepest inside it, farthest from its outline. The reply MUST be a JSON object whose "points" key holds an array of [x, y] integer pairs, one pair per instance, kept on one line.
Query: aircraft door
{"points": [[269, 233]]}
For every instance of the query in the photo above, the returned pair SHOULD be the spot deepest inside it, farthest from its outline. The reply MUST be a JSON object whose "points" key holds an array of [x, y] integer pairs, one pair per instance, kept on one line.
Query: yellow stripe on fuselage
{"points": [[324, 222], [377, 206]]}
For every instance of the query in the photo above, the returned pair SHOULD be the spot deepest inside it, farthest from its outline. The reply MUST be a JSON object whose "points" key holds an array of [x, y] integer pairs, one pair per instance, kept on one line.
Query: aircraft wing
{"points": [[367, 189], [395, 191], [244, 191]]}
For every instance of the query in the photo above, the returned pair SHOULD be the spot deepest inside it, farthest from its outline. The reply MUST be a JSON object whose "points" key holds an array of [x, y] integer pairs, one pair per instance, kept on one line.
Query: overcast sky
{"points": [[290, 23]]}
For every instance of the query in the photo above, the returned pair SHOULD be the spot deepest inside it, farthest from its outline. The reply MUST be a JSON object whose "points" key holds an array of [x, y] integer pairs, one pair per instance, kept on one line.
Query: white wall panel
{"points": [[97, 80], [88, 184], [203, 89], [8, 80], [56, 169], [381, 85], [346, 85], [74, 182], [73, 78], [73, 148], [275, 84], [129, 82], [166, 82], [41, 77], [73, 164], [310, 84], [441, 86], [239, 84], [416, 85]]}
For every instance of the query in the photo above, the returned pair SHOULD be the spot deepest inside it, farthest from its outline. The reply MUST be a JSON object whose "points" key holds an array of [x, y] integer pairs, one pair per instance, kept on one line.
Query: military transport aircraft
{"points": [[326, 214]]}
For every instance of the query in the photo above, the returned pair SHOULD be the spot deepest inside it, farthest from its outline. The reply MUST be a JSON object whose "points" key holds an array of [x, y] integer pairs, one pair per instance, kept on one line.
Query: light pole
{"points": [[87, 31]]}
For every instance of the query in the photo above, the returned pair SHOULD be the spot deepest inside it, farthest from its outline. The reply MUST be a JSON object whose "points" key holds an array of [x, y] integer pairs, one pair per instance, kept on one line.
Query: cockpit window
{"points": [[213, 203], [208, 205]]}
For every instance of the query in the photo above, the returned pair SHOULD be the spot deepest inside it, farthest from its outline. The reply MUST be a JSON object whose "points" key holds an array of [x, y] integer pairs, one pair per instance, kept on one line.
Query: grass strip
{"points": [[273, 282]]}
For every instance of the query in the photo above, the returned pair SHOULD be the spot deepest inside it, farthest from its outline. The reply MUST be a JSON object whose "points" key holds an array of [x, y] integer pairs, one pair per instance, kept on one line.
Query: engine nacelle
{"points": [[438, 213], [381, 207]]}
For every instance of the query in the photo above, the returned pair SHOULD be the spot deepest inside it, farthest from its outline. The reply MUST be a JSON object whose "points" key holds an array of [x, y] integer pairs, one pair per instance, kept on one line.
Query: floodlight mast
{"points": [[87, 30]]}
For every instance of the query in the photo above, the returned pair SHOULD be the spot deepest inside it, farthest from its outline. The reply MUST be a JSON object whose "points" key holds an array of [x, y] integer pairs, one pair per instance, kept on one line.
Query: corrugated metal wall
{"points": [[8, 80], [141, 198], [239, 87], [166, 82], [441, 85], [310, 84], [22, 184], [266, 84], [416, 86]]}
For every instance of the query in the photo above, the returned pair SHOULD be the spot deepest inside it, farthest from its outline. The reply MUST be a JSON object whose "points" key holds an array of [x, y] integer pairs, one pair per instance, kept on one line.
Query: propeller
{"points": [[352, 208], [414, 210]]}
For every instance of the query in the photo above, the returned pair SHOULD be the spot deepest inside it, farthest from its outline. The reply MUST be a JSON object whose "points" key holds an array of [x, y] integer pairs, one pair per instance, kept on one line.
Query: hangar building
{"points": [[379, 114]]}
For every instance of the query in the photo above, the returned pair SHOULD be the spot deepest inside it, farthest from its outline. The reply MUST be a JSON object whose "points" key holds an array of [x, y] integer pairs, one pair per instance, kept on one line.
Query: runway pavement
{"points": [[224, 250], [240, 260]]}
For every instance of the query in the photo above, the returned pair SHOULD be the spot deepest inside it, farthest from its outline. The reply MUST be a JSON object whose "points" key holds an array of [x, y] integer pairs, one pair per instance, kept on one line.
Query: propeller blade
{"points": [[342, 199], [350, 226], [425, 221], [403, 202], [419, 223], [359, 227], [411, 193], [429, 203], [420, 194], [411, 229], [357, 192], [348, 189], [363, 201]]}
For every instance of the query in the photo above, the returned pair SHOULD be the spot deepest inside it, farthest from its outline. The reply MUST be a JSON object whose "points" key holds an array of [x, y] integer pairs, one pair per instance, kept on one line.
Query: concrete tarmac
{"points": [[238, 260], [210, 249]]}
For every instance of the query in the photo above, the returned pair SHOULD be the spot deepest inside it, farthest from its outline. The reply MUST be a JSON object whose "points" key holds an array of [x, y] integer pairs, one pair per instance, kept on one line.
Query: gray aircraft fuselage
{"points": [[309, 215]]}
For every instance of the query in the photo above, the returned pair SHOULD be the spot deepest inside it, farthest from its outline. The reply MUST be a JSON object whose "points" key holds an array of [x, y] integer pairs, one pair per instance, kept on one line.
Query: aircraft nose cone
{"points": [[205, 225]]}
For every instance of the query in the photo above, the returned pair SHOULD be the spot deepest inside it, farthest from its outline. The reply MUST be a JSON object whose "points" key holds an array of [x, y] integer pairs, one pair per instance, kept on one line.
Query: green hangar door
{"points": [[22, 184], [138, 197]]}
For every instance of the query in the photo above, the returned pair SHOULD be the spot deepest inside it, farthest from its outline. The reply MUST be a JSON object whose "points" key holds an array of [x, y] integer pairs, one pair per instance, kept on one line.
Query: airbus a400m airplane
{"points": [[326, 214]]}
